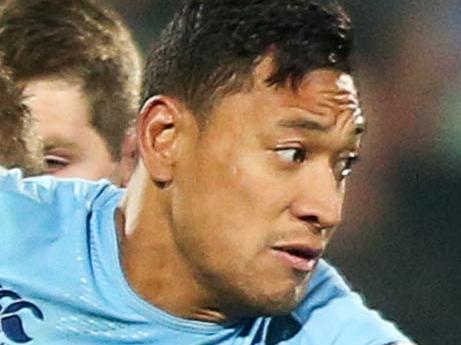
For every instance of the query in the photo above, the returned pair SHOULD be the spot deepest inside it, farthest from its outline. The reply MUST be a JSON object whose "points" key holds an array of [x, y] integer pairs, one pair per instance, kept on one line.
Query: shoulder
{"points": [[45, 191], [46, 208], [44, 219]]}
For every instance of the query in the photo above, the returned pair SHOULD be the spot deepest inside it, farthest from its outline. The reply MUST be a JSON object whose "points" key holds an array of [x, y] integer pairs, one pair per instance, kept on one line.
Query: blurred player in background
{"points": [[20, 146], [80, 71]]}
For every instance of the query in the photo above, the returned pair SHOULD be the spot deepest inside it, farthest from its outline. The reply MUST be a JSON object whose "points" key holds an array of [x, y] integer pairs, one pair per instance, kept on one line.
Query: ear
{"points": [[160, 123]]}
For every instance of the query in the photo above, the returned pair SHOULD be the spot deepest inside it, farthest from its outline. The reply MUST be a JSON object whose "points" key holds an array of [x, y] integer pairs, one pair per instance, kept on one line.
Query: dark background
{"points": [[401, 242]]}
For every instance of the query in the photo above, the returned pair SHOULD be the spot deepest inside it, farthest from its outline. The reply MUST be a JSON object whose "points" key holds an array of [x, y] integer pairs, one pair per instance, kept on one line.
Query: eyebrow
{"points": [[58, 143], [308, 124], [302, 123]]}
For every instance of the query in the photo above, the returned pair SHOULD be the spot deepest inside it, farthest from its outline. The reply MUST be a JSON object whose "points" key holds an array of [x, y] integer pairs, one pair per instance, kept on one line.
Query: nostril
{"points": [[313, 222], [317, 209], [321, 217], [310, 219]]}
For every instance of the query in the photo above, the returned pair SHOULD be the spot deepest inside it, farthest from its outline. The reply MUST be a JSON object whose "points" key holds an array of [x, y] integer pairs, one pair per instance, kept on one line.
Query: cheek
{"points": [[258, 187], [220, 205], [243, 202]]}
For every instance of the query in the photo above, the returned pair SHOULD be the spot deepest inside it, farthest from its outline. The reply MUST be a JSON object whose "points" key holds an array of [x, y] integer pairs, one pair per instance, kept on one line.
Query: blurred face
{"points": [[73, 147], [259, 194]]}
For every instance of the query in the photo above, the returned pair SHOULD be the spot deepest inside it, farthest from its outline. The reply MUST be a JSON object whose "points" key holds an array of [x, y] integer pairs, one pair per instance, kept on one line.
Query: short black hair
{"points": [[215, 44], [77, 40]]}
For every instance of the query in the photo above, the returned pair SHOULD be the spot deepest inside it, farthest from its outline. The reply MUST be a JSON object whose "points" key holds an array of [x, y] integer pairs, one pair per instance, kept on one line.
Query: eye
{"points": [[292, 154], [54, 163], [343, 167]]}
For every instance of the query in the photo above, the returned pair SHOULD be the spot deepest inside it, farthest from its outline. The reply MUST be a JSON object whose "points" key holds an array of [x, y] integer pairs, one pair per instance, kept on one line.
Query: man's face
{"points": [[73, 147], [257, 197]]}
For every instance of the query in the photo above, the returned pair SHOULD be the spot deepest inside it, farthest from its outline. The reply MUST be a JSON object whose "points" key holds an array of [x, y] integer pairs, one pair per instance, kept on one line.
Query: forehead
{"points": [[57, 101], [60, 107], [322, 92], [325, 96], [323, 111], [325, 101]]}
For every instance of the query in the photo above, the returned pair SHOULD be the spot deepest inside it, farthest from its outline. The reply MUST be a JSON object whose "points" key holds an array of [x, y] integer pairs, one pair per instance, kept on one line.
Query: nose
{"points": [[319, 199]]}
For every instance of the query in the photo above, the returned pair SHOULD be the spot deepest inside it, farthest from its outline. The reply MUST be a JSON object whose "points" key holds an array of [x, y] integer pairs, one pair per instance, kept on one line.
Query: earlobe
{"points": [[156, 137]]}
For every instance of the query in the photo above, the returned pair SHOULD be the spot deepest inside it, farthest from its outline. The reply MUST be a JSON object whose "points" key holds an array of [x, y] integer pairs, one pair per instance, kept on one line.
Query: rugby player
{"points": [[80, 71], [250, 125]]}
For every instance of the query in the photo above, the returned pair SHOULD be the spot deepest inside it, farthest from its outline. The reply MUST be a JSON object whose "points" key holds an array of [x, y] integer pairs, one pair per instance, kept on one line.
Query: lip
{"points": [[298, 256]]}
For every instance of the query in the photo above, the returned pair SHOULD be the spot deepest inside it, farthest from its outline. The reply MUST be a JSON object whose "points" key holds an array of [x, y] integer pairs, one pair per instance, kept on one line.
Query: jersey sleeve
{"points": [[332, 314]]}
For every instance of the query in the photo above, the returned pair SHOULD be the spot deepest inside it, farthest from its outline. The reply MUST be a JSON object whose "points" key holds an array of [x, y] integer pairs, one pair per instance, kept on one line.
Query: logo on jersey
{"points": [[10, 322]]}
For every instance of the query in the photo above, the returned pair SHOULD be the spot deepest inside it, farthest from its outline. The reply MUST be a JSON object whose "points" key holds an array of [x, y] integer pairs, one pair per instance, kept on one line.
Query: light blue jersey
{"points": [[62, 283]]}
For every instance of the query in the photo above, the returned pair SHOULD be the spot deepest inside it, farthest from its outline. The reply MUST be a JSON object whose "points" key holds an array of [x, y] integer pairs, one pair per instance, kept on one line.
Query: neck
{"points": [[151, 260]]}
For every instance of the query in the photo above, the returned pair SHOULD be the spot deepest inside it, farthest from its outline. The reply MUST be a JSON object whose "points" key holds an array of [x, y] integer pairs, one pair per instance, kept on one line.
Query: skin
{"points": [[207, 211], [73, 147]]}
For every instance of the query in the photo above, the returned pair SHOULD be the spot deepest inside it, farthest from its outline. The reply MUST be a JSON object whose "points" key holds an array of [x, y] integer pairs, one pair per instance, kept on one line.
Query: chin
{"points": [[273, 303], [256, 296], [285, 304], [284, 298]]}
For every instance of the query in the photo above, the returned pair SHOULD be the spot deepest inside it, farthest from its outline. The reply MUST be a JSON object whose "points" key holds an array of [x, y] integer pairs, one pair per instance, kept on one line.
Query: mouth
{"points": [[298, 256]]}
